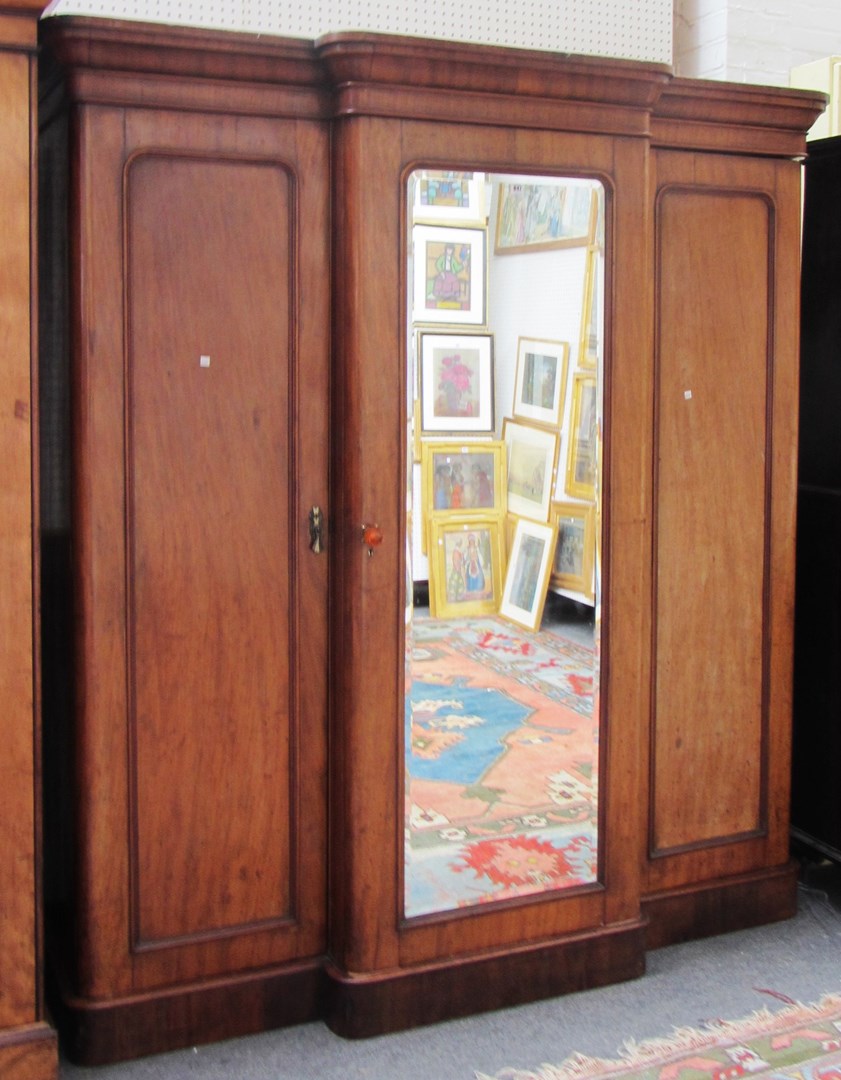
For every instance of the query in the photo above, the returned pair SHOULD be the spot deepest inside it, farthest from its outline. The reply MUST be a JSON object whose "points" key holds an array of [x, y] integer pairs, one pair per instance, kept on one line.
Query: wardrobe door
{"points": [[200, 382], [450, 896], [725, 430]]}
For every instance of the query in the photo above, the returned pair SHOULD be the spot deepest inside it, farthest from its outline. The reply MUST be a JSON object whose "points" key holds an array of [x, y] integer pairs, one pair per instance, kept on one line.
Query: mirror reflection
{"points": [[504, 340]]}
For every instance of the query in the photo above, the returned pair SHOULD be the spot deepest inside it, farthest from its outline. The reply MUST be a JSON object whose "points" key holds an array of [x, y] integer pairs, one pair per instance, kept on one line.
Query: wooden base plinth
{"points": [[363, 1006], [717, 907], [100, 1032], [29, 1053]]}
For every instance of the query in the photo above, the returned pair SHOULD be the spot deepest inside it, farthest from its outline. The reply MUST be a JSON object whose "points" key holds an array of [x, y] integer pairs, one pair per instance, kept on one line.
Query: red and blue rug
{"points": [[798, 1042], [502, 764]]}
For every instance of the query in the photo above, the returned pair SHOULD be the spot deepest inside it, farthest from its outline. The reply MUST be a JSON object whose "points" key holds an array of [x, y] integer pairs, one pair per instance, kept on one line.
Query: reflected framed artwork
{"points": [[463, 478], [531, 458], [449, 275], [456, 383], [534, 217], [528, 572], [540, 381], [591, 316], [572, 566], [466, 566], [442, 196], [582, 455]]}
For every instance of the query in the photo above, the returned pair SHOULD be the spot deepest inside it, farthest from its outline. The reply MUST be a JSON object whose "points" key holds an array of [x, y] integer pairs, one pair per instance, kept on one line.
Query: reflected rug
{"points": [[501, 762], [798, 1042]]}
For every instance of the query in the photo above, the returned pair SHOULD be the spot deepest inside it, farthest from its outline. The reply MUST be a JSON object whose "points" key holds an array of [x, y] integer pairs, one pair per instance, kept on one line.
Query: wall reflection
{"points": [[504, 428]]}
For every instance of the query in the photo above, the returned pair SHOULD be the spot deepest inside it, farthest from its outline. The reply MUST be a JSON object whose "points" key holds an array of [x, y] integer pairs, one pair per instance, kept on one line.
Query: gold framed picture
{"points": [[466, 566], [463, 478], [572, 565], [583, 452], [591, 312]]}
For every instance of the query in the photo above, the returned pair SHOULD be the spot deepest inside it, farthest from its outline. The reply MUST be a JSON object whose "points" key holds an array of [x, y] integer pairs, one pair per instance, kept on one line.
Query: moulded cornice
{"points": [[19, 24], [737, 117], [12, 7], [397, 61], [367, 74], [131, 63]]}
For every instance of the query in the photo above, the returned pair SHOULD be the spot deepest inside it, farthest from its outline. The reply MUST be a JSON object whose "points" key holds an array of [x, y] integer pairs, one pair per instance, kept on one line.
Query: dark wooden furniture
{"points": [[206, 894], [816, 797], [28, 1049]]}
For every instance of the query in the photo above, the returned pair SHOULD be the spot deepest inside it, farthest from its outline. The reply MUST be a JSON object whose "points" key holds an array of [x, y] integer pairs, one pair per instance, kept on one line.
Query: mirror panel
{"points": [[504, 403]]}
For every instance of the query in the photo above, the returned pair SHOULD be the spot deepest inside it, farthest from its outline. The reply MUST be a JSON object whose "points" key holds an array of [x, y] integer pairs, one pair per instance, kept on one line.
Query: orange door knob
{"points": [[372, 537]]}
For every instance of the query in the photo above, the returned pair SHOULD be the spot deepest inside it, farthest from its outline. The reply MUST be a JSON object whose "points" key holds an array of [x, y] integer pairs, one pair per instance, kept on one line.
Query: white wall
{"points": [[632, 29], [753, 41]]}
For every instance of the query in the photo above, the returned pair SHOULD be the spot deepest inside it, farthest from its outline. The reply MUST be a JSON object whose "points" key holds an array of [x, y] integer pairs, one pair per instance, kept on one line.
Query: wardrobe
{"points": [[228, 597]]}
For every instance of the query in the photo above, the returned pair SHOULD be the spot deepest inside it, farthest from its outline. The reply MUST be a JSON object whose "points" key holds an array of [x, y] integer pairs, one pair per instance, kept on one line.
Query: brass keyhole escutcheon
{"points": [[316, 520]]}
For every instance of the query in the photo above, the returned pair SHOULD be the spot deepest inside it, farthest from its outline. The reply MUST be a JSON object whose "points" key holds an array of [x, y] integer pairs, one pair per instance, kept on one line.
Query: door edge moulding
{"points": [[366, 96]]}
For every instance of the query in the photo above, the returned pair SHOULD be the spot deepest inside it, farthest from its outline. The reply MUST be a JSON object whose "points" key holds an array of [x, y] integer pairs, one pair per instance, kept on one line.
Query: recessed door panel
{"points": [[209, 459], [714, 251]]}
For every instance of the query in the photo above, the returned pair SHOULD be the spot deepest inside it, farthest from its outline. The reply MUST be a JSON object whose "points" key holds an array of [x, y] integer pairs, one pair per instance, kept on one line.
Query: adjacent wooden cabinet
{"points": [[28, 1047], [236, 357]]}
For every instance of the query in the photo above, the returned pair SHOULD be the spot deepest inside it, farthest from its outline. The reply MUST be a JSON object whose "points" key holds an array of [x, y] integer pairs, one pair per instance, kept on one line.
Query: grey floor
{"points": [[719, 978]]}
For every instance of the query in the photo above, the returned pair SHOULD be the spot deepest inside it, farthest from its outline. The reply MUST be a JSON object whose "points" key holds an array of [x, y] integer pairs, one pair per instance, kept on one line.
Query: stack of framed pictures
{"points": [[494, 531], [464, 493], [462, 466]]}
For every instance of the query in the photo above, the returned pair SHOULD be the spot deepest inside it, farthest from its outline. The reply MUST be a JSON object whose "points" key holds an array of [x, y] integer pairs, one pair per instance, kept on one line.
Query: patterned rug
{"points": [[501, 760], [798, 1042]]}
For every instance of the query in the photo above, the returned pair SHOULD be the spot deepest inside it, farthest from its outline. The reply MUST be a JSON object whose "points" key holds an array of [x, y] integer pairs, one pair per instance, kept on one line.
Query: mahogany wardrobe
{"points": [[237, 428]]}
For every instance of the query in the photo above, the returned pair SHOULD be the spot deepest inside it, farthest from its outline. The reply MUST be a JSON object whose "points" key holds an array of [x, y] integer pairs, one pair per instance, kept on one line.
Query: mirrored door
{"points": [[503, 614]]}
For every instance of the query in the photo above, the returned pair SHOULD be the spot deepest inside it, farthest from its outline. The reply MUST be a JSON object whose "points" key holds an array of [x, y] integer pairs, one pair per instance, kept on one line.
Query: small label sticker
{"points": [[687, 394], [204, 361]]}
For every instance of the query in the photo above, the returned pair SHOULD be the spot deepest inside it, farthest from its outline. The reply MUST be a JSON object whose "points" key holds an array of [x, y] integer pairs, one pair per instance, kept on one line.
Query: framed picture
{"points": [[449, 275], [541, 379], [572, 566], [527, 576], [510, 528], [464, 479], [582, 455], [598, 232], [591, 312], [531, 217], [456, 383], [531, 458], [466, 566], [445, 197]]}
